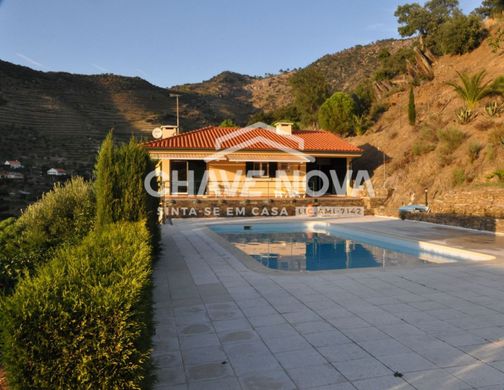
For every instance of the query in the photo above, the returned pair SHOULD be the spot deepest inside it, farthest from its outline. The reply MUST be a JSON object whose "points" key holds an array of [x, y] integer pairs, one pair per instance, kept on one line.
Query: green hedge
{"points": [[62, 216], [83, 321]]}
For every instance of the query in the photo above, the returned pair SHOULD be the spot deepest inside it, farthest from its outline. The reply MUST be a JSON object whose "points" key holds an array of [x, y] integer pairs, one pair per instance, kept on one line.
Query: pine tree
{"points": [[105, 182], [411, 108]]}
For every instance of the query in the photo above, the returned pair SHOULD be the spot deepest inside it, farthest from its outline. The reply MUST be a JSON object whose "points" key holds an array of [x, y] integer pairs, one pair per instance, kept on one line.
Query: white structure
{"points": [[14, 164], [14, 175], [56, 172]]}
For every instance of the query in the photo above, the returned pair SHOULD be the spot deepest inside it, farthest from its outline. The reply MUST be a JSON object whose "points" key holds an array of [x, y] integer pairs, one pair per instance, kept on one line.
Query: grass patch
{"points": [[458, 177]]}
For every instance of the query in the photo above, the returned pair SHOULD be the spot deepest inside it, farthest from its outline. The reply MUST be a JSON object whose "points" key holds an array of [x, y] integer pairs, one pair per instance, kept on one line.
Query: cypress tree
{"points": [[120, 192], [411, 108], [105, 182]]}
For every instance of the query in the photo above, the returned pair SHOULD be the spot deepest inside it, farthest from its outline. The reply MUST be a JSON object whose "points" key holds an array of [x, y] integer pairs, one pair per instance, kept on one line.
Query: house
{"points": [[56, 172], [255, 161], [13, 164]]}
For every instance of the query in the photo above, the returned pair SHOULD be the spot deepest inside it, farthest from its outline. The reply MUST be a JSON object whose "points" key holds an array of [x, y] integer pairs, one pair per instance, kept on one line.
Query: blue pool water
{"points": [[295, 248]]}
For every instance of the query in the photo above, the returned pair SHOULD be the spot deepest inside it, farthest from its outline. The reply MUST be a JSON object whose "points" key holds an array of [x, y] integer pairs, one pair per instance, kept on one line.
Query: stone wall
{"points": [[466, 221], [481, 209]]}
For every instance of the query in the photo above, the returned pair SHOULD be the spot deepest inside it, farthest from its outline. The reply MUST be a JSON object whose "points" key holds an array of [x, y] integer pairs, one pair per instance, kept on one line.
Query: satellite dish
{"points": [[157, 133]]}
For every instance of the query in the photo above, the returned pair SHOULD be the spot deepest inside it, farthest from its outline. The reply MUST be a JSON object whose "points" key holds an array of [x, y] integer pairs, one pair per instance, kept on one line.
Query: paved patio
{"points": [[224, 325]]}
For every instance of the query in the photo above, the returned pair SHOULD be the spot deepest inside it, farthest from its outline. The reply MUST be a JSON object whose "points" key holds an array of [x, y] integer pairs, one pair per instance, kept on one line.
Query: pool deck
{"points": [[222, 324]]}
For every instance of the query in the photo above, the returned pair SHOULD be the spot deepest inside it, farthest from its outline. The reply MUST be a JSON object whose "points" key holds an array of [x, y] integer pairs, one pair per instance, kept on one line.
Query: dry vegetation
{"points": [[439, 153]]}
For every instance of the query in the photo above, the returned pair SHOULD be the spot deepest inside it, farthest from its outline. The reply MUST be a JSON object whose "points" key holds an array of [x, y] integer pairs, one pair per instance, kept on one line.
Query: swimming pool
{"points": [[322, 246]]}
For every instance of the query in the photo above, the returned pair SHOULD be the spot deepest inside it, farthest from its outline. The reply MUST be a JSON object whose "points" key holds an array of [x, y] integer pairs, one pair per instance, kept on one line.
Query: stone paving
{"points": [[222, 325]]}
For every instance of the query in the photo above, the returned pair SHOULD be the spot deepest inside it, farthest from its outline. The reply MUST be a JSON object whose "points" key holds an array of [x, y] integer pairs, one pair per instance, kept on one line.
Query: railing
{"points": [[257, 188]]}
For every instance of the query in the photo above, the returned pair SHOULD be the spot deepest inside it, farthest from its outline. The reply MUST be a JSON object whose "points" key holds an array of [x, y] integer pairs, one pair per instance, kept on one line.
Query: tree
{"points": [[104, 185], [120, 194], [363, 97], [228, 123], [411, 108], [310, 89], [458, 35], [415, 19], [490, 9], [337, 113], [472, 88]]}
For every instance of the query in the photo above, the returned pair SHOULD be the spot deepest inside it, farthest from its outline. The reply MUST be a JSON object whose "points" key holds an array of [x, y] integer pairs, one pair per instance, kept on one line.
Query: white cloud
{"points": [[30, 60], [100, 68]]}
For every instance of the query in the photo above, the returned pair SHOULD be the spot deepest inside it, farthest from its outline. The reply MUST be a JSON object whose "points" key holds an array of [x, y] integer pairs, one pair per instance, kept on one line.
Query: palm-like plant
{"points": [[472, 88]]}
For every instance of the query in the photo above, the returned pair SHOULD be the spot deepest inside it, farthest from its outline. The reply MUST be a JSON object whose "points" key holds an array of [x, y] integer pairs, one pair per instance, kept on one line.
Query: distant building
{"points": [[14, 164], [14, 175], [56, 172]]}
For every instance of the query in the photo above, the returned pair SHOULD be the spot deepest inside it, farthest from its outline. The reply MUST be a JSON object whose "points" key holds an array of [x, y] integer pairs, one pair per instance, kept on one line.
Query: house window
{"points": [[283, 167], [268, 169]]}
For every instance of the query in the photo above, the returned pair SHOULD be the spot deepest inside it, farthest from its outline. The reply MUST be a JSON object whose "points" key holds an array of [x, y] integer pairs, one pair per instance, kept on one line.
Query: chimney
{"points": [[169, 131], [283, 128]]}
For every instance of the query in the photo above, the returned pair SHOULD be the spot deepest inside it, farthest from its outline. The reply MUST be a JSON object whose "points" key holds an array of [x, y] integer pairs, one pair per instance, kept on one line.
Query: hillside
{"points": [[418, 158], [343, 70]]}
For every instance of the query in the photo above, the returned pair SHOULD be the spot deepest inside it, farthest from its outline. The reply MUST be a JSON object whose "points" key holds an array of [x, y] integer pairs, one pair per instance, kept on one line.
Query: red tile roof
{"points": [[254, 140]]}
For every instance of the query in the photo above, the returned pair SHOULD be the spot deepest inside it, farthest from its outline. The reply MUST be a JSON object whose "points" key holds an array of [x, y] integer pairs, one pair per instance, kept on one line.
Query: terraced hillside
{"points": [[59, 119]]}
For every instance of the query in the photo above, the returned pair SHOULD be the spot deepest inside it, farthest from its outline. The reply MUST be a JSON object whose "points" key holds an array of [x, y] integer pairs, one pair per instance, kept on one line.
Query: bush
{"points": [[498, 174], [228, 123], [81, 323], [460, 34], [377, 110], [425, 143], [422, 147], [494, 108], [465, 115], [337, 112], [392, 65], [63, 216], [452, 138], [458, 177], [474, 150]]}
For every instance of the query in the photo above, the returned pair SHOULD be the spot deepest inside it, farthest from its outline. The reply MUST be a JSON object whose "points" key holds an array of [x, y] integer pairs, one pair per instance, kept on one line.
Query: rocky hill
{"points": [[439, 153]]}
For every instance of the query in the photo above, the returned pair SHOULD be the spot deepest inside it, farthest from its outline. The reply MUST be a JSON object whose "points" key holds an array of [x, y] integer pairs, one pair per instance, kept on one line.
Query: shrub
{"points": [[496, 40], [444, 155], [465, 115], [474, 150], [228, 123], [498, 174], [337, 112], [422, 147], [62, 216], [452, 138], [494, 108], [81, 322], [377, 110], [458, 177], [392, 65], [425, 143], [460, 34]]}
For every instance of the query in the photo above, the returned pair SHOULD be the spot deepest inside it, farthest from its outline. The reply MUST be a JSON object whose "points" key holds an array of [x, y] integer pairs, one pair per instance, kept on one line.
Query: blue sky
{"points": [[171, 42]]}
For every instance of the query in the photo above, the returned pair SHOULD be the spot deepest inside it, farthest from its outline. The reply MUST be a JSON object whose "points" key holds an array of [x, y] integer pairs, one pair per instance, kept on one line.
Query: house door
{"points": [[178, 169], [197, 167]]}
